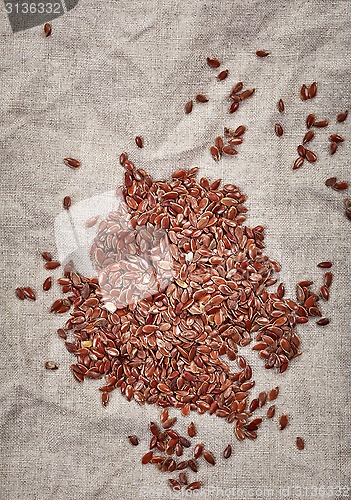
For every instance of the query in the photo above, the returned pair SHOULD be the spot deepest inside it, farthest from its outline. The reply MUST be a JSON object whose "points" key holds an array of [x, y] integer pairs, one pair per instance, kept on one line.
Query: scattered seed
{"points": [[340, 186], [324, 292], [147, 457], [198, 450], [271, 411], [139, 141], [183, 478], [310, 120], [323, 321], [67, 202], [283, 421], [328, 278], [29, 293], [47, 29], [192, 430], [201, 98], [46, 256], [308, 136], [331, 181], [50, 365], [281, 106], [333, 147], [325, 264], [278, 130], [196, 485], [300, 443], [51, 264], [233, 107], [262, 53], [246, 94], [342, 116], [320, 123], [227, 452], [336, 138], [174, 484], [92, 221], [71, 162], [312, 90], [20, 293], [301, 151], [188, 107], [208, 456], [223, 75], [273, 393], [215, 153], [304, 92], [47, 284], [310, 156], [133, 440], [298, 163], [213, 62], [229, 150]]}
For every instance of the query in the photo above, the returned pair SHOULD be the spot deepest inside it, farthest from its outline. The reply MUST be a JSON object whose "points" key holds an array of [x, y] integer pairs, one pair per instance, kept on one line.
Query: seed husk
{"points": [[50, 365], [71, 162], [278, 130], [312, 90], [331, 181], [51, 264], [323, 321], [47, 29], [281, 106], [208, 456], [213, 62], [192, 430], [29, 293], [340, 186], [320, 123], [20, 293], [133, 440], [262, 53], [189, 107], [139, 141], [298, 163], [283, 421], [201, 98], [47, 284], [342, 116], [67, 202], [308, 136], [300, 443], [333, 147], [222, 75]]}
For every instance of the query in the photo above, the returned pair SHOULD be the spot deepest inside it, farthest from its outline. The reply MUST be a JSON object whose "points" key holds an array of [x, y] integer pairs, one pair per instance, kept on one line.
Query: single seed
{"points": [[304, 92], [301, 151], [188, 107], [308, 136], [29, 293], [246, 94], [331, 181], [227, 451], [183, 478], [312, 90], [281, 106], [328, 278], [47, 284], [147, 457], [340, 186], [46, 256], [223, 75], [298, 163], [239, 131], [92, 221], [278, 130], [229, 150], [133, 440], [196, 485], [310, 156], [219, 143], [174, 484], [208, 456], [67, 202], [139, 141], [233, 107], [342, 116], [336, 138], [192, 430], [51, 264], [201, 98], [283, 422], [320, 123], [273, 393], [215, 153], [237, 88], [262, 53], [300, 443], [271, 411], [325, 264], [47, 29], [323, 321], [324, 292], [198, 450], [333, 147], [71, 162], [20, 293], [50, 365], [213, 62], [310, 120]]}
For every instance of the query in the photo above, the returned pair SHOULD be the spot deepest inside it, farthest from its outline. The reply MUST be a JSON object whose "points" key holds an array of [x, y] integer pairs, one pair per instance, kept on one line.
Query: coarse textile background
{"points": [[115, 69]]}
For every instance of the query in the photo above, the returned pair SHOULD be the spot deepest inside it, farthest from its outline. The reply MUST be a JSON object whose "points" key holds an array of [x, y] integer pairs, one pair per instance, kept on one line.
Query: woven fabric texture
{"points": [[116, 69]]}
